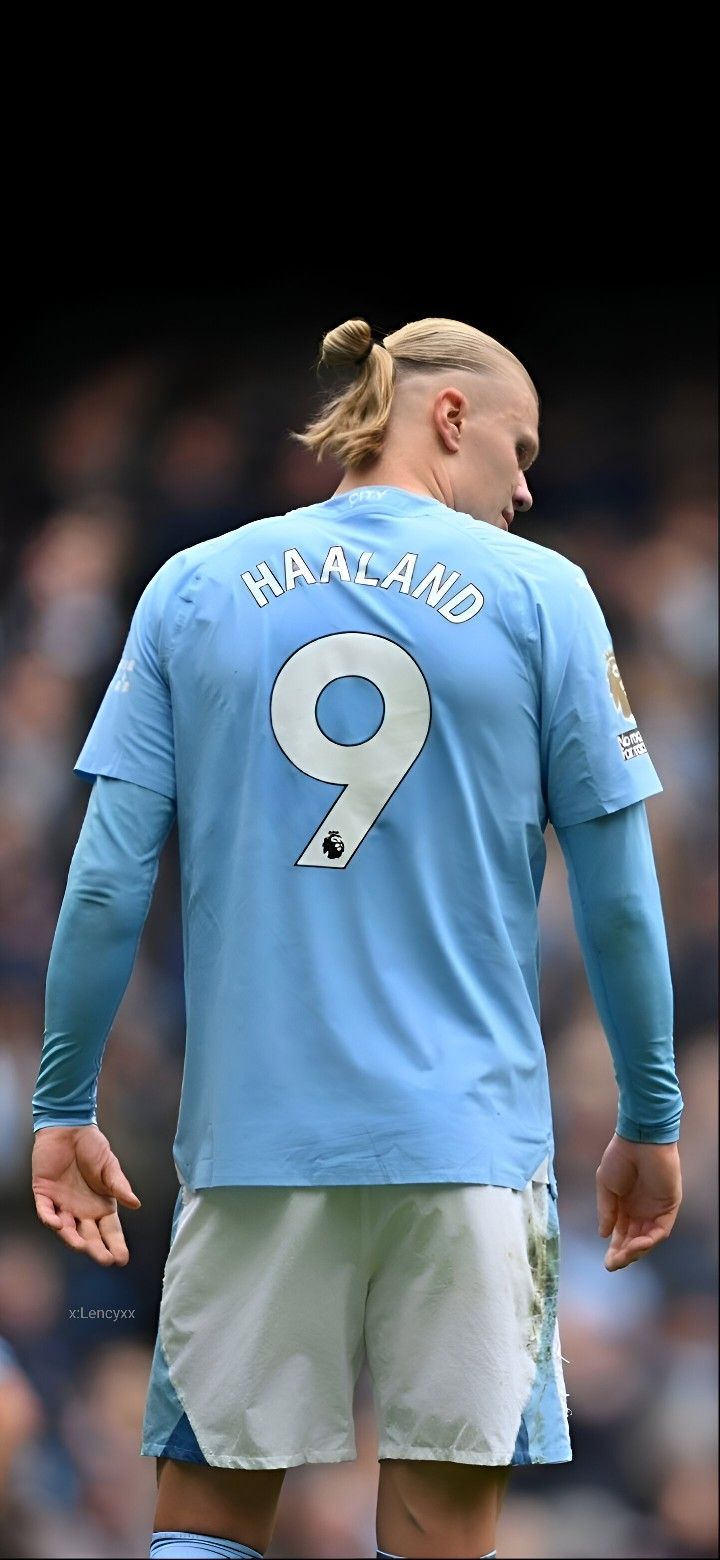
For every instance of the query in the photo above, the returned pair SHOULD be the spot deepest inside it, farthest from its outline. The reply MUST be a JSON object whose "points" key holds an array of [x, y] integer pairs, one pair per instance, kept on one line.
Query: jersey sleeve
{"points": [[131, 737], [594, 759]]}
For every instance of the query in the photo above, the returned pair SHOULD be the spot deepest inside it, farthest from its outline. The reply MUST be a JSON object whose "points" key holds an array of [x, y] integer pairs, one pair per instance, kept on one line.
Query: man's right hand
{"points": [[77, 1184], [639, 1191]]}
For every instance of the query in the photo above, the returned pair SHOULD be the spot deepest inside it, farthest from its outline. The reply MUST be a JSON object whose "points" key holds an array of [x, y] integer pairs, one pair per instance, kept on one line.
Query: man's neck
{"points": [[393, 474]]}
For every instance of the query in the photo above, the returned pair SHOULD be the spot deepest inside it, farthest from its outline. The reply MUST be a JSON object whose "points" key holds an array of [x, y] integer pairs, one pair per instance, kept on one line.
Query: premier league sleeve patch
{"points": [[617, 686], [630, 742]]}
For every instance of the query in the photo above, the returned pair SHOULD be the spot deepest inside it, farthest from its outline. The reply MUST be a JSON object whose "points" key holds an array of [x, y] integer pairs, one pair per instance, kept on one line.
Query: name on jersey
{"points": [[434, 588]]}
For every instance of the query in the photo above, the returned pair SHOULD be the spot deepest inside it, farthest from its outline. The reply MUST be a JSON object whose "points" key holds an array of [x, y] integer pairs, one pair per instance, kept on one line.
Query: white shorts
{"points": [[273, 1296]]}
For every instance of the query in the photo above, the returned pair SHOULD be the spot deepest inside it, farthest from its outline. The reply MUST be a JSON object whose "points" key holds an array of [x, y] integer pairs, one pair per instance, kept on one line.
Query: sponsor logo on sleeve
{"points": [[631, 744]]}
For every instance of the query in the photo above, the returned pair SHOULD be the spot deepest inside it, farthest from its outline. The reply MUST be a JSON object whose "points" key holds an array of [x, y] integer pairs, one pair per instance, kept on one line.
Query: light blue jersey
{"points": [[367, 711]]}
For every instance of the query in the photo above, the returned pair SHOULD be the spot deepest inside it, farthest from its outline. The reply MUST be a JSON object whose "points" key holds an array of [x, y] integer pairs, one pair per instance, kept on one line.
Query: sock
{"points": [[383, 1554], [197, 1546]]}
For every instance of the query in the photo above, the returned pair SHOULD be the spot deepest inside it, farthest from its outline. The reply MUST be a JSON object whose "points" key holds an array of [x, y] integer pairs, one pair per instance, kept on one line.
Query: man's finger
{"points": [[614, 1260], [68, 1234], [45, 1209], [116, 1181], [86, 1240], [93, 1243], [112, 1233], [607, 1204], [621, 1253]]}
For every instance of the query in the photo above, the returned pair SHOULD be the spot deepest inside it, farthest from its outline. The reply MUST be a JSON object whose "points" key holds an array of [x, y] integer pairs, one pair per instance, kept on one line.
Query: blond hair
{"points": [[352, 425]]}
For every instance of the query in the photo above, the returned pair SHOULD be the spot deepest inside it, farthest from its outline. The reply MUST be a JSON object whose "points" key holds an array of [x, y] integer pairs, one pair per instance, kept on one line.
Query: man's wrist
{"points": [[62, 1126], [647, 1142]]}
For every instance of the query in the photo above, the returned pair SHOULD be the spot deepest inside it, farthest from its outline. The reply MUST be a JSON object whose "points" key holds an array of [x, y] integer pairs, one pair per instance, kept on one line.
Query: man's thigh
{"points": [[436, 1508], [234, 1503]]}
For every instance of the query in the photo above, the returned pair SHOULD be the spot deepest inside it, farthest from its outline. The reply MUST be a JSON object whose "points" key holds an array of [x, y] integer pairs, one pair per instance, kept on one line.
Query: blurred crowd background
{"points": [[131, 430]]}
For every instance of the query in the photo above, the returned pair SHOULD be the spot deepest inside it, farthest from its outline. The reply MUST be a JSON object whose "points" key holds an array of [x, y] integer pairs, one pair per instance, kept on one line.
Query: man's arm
{"points": [[76, 1177], [618, 916]]}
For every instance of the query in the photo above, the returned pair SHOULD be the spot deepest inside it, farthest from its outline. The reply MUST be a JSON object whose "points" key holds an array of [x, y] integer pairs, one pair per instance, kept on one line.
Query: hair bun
{"points": [[348, 343]]}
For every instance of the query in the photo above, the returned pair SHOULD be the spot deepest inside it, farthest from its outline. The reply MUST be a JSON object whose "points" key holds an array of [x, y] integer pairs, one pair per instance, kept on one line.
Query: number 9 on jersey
{"points": [[368, 771]]}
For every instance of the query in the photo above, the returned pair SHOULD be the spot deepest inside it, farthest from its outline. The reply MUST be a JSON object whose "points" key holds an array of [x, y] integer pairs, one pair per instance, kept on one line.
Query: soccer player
{"points": [[363, 714]]}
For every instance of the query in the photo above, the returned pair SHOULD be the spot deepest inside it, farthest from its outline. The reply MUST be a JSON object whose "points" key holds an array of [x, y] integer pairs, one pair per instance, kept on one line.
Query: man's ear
{"points": [[449, 413]]}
